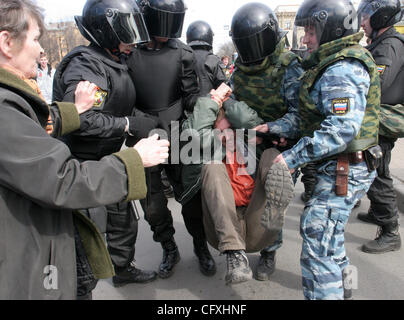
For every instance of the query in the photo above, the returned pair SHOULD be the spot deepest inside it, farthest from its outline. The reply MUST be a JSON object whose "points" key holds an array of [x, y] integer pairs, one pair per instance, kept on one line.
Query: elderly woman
{"points": [[41, 184]]}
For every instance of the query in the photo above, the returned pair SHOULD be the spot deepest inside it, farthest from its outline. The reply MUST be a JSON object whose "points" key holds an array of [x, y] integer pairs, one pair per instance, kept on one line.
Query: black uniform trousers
{"points": [[159, 216], [121, 234], [383, 199]]}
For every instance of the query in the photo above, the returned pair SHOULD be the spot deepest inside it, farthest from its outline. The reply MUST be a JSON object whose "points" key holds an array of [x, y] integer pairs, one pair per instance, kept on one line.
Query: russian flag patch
{"points": [[340, 106], [381, 69]]}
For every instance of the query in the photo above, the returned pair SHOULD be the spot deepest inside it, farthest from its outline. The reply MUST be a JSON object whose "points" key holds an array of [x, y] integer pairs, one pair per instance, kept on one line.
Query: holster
{"points": [[341, 185]]}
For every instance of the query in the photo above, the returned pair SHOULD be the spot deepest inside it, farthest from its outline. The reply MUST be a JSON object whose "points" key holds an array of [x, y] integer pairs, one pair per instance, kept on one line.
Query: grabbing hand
{"points": [[221, 94], [85, 96], [152, 151]]}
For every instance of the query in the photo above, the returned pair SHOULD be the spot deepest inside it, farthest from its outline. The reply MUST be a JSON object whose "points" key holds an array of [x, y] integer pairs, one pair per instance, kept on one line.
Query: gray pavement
{"points": [[380, 277]]}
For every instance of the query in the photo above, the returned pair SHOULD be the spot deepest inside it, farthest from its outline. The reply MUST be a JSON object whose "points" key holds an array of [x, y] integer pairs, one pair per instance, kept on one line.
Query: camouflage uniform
{"points": [[339, 102], [270, 89]]}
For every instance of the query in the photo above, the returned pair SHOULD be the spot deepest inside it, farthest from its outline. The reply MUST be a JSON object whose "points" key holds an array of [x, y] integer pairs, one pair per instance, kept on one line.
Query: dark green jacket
{"points": [[40, 186], [199, 126]]}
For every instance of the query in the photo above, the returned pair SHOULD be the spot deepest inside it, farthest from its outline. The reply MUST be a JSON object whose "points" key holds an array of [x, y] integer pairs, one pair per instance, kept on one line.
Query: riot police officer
{"points": [[265, 78], [163, 71], [113, 27], [208, 66], [339, 101], [387, 48]]}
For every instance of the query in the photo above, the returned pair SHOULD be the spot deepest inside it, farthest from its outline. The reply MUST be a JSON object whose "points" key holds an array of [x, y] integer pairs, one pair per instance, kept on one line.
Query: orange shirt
{"points": [[241, 182]]}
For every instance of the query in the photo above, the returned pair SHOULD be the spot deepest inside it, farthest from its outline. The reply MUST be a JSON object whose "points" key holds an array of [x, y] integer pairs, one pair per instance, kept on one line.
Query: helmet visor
{"points": [[257, 46], [130, 28], [366, 10], [165, 24]]}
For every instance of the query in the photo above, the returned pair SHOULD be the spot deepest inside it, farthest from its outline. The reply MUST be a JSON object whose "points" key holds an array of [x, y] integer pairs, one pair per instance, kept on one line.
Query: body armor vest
{"points": [[317, 63], [205, 84], [156, 75], [259, 86]]}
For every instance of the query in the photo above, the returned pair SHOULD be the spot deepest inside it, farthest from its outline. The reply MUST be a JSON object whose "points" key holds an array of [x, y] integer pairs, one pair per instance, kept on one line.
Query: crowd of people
{"points": [[67, 185]]}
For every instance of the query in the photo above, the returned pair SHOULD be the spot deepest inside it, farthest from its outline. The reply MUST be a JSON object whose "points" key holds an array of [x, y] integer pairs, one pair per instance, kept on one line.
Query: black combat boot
{"points": [[305, 196], [238, 268], [367, 217], [131, 274], [266, 265], [171, 257], [206, 263], [387, 239]]}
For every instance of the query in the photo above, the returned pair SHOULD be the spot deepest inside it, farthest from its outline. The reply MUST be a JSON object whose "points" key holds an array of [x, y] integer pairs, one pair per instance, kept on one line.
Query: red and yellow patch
{"points": [[100, 97], [381, 69]]}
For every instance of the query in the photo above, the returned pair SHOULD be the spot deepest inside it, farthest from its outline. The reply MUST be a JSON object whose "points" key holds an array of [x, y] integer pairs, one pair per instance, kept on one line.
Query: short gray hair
{"points": [[15, 16]]}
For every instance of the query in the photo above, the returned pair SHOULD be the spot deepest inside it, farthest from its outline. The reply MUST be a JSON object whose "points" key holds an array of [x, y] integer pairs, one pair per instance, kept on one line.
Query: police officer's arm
{"points": [[349, 81], [289, 125], [92, 122], [389, 61], [189, 79], [64, 116]]}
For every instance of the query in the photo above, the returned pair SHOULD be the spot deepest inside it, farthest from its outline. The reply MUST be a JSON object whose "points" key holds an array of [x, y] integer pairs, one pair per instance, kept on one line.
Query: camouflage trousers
{"points": [[322, 225]]}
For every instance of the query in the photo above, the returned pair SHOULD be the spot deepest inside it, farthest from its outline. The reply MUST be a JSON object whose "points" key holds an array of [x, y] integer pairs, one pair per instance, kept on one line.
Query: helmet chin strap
{"points": [[373, 35]]}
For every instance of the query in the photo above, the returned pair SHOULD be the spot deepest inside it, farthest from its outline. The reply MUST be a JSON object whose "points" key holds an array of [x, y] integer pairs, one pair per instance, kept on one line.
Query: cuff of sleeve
{"points": [[290, 159], [136, 176], [70, 117], [228, 104]]}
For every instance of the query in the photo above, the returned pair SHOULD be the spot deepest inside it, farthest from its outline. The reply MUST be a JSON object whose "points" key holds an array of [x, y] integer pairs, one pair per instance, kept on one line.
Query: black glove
{"points": [[139, 128]]}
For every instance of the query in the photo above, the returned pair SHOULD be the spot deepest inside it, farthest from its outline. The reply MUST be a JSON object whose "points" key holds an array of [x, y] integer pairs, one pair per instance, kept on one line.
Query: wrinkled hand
{"points": [[262, 128], [223, 91], [221, 94], [85, 96], [280, 159], [152, 151]]}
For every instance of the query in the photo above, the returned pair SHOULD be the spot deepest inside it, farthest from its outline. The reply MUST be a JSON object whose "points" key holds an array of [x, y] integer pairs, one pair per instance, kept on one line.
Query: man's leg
{"points": [[122, 230], [221, 215], [268, 240], [161, 222], [193, 218], [322, 224], [383, 209]]}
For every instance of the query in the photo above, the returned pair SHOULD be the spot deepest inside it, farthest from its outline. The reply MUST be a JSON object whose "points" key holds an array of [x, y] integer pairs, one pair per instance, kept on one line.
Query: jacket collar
{"points": [[387, 34], [330, 48]]}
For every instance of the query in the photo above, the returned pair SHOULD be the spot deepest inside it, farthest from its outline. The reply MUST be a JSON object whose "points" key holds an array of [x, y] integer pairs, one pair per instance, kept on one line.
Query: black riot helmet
{"points": [[255, 32], [382, 13], [199, 33], [107, 23], [164, 18], [332, 19]]}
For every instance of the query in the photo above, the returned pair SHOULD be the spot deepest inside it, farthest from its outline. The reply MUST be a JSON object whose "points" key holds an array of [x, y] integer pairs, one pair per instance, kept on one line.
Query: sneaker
{"points": [[266, 266], [238, 268], [279, 189], [133, 275]]}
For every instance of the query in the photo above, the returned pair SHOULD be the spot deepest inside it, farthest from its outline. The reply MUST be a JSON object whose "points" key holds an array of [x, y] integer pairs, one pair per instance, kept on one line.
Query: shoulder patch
{"points": [[381, 69], [340, 106], [100, 97]]}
